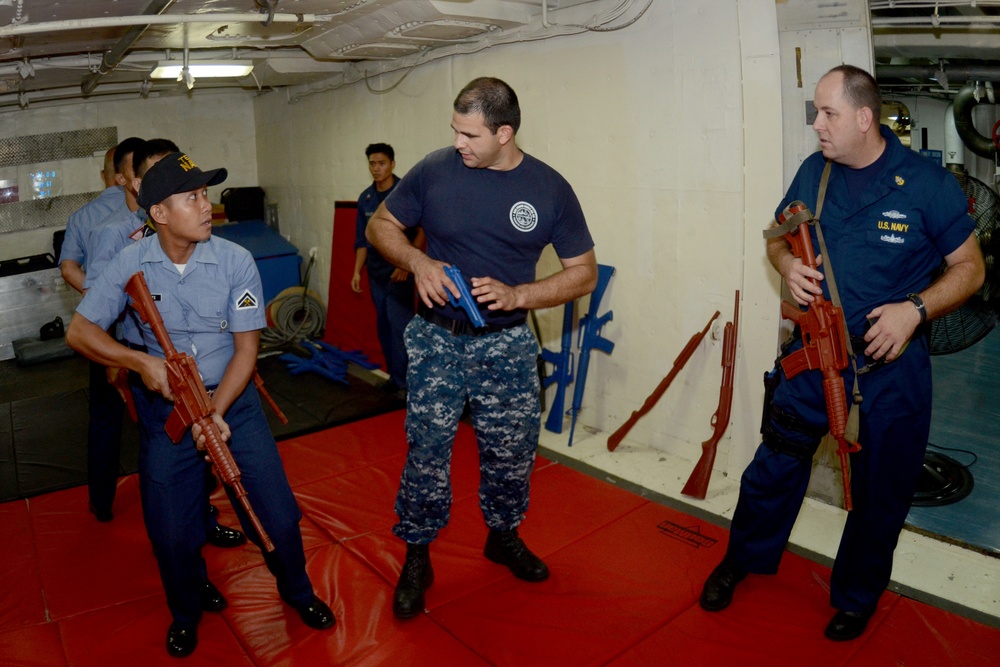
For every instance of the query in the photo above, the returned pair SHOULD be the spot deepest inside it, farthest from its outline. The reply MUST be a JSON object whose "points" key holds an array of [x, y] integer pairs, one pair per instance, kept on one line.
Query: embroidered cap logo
{"points": [[186, 163]]}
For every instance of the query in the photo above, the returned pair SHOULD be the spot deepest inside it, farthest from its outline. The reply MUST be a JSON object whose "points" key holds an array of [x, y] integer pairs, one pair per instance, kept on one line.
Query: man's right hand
{"points": [[433, 284], [154, 376], [356, 283]]}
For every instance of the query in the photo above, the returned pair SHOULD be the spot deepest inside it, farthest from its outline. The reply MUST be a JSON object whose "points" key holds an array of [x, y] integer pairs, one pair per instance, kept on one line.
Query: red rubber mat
{"points": [[626, 574]]}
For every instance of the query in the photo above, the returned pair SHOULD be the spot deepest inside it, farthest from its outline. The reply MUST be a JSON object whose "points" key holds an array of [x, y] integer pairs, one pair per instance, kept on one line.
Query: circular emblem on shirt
{"points": [[523, 216]]}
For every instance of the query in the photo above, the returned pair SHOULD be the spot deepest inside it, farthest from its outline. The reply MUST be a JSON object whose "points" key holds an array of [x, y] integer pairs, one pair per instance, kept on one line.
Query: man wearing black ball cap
{"points": [[208, 292]]}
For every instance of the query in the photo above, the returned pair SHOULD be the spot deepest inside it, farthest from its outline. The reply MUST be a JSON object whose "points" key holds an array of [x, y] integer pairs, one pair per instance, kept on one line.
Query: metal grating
{"points": [[37, 213], [36, 148]]}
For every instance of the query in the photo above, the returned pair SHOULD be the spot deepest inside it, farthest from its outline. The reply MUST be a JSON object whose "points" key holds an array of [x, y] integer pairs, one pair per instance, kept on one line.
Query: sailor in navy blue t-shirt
{"points": [[488, 209]]}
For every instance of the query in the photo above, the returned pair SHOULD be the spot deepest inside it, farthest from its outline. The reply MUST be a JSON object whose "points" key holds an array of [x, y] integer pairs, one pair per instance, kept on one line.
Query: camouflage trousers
{"points": [[497, 375]]}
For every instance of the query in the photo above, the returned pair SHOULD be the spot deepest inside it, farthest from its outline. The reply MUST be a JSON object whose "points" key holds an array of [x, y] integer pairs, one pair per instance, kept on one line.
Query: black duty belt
{"points": [[463, 327]]}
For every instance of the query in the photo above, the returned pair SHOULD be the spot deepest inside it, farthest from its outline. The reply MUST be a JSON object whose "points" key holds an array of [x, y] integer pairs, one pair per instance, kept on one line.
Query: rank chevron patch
{"points": [[247, 301]]}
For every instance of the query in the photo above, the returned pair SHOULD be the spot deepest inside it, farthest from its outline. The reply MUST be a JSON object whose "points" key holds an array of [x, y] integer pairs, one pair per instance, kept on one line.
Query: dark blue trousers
{"points": [[174, 499], [895, 423], [104, 439], [393, 311]]}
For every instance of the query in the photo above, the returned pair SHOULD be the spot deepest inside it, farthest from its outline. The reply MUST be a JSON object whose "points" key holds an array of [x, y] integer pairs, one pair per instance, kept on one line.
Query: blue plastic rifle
{"points": [[562, 373], [590, 338]]}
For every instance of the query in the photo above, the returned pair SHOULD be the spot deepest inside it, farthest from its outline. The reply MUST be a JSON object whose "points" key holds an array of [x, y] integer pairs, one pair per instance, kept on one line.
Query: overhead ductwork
{"points": [[111, 59]]}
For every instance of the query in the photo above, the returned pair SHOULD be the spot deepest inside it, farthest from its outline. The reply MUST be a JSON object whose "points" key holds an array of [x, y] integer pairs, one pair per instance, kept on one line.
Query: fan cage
{"points": [[979, 315]]}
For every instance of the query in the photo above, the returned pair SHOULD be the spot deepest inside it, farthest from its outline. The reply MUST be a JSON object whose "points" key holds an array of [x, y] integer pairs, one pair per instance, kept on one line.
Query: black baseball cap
{"points": [[175, 172]]}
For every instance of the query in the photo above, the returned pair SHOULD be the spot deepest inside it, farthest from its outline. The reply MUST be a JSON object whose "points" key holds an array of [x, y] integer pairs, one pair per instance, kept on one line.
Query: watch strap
{"points": [[919, 304]]}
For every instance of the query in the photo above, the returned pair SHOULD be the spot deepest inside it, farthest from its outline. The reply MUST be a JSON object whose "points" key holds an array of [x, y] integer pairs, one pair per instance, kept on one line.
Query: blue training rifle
{"points": [[590, 338], [562, 373]]}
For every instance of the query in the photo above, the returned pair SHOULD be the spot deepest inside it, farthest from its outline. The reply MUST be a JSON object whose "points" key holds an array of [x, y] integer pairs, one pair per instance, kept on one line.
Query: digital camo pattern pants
{"points": [[497, 375]]}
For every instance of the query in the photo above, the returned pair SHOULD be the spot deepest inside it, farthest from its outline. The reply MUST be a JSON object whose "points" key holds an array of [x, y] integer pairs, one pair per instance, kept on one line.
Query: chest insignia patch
{"points": [[247, 301], [892, 238], [523, 216], [899, 181]]}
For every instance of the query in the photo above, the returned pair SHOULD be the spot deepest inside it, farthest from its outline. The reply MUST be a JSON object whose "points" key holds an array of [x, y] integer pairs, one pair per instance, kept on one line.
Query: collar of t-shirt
{"points": [[858, 180]]}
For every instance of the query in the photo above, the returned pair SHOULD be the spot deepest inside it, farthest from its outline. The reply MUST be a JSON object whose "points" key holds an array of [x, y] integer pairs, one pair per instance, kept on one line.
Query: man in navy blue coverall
{"points": [[890, 218]]}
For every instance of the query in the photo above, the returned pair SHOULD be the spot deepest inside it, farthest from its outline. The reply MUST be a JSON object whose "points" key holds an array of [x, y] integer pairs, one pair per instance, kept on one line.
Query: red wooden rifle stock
{"points": [[192, 404], [824, 342], [697, 484], [661, 388]]}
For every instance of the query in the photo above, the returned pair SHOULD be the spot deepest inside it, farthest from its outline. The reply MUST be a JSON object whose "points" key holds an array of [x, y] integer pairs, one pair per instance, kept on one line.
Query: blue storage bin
{"points": [[278, 261]]}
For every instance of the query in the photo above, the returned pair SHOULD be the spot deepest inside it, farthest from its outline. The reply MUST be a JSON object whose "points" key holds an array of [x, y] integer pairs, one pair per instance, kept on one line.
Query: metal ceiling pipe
{"points": [[964, 102], [114, 56], [930, 72], [146, 21]]}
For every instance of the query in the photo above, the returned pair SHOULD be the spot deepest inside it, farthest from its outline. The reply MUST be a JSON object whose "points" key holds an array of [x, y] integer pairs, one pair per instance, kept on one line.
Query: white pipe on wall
{"points": [[954, 150], [163, 19]]}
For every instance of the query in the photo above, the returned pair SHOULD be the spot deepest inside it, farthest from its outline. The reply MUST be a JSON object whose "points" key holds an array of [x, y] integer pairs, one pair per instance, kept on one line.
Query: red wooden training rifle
{"points": [[824, 340]]}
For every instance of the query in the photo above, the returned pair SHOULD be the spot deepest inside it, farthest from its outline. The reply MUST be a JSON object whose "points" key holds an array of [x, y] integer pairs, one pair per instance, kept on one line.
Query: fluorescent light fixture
{"points": [[202, 69]]}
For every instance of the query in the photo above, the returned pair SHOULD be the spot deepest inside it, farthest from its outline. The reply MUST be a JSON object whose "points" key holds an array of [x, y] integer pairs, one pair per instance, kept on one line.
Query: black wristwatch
{"points": [[919, 303]]}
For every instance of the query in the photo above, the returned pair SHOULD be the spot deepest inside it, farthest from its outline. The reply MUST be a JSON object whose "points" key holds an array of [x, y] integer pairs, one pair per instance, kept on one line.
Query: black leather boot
{"points": [[416, 577], [506, 548], [718, 590]]}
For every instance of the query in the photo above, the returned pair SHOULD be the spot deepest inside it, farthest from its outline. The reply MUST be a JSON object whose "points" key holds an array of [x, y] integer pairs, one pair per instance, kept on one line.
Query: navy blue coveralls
{"points": [[393, 301], [884, 243], [218, 293]]}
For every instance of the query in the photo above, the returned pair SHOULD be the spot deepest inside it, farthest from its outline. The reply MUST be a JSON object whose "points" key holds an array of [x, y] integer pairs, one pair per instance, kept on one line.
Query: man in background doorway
{"points": [[391, 287]]}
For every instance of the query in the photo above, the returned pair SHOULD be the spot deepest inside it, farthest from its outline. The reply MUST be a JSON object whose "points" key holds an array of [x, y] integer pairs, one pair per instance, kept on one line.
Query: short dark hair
{"points": [[494, 99], [148, 150], [124, 149], [380, 148], [860, 89]]}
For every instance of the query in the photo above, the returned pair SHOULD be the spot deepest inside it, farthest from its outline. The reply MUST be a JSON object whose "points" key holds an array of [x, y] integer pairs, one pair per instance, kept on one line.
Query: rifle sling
{"points": [[853, 417]]}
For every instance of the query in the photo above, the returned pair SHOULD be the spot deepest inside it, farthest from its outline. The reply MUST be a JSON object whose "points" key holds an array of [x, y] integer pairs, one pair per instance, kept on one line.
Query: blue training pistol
{"points": [[465, 300]]}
